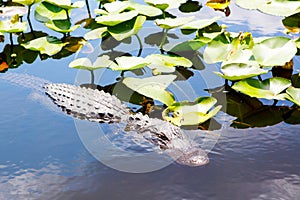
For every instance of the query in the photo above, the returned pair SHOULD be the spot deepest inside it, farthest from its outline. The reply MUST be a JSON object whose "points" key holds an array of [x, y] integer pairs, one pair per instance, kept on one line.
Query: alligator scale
{"points": [[99, 106]]}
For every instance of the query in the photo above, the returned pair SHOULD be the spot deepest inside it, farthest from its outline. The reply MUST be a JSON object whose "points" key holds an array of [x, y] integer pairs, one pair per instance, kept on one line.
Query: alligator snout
{"points": [[193, 157]]}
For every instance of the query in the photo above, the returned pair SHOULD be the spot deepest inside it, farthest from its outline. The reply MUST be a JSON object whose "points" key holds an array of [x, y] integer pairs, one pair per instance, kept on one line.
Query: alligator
{"points": [[98, 106]]}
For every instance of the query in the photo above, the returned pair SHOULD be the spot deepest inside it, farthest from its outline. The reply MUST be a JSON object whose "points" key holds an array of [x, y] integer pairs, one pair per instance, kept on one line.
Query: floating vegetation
{"points": [[251, 64]]}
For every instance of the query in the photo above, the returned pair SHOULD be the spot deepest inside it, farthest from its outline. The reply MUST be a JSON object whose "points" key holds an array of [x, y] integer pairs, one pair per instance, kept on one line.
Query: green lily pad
{"points": [[164, 63], [274, 51], [216, 51], [62, 26], [44, 12], [113, 19], [66, 4], [273, 7], [169, 23], [189, 45], [199, 24], [26, 2], [153, 87], [293, 95], [267, 89], [116, 6], [7, 26], [86, 64], [129, 63], [10, 11], [149, 11], [191, 113], [238, 71], [121, 35], [45, 45], [165, 4], [95, 34], [291, 23]]}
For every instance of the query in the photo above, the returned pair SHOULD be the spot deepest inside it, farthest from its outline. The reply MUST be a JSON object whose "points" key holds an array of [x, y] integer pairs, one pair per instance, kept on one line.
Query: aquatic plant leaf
{"points": [[169, 23], [66, 4], [45, 45], [279, 51], [62, 26], [191, 113], [86, 64], [95, 34], [26, 2], [165, 4], [267, 89], [129, 63], [238, 71], [165, 63], [216, 51], [6, 26], [10, 11], [293, 95], [116, 18], [273, 7], [149, 11], [291, 23], [189, 45], [218, 5], [199, 24], [140, 20], [116, 6], [153, 87], [43, 13]]}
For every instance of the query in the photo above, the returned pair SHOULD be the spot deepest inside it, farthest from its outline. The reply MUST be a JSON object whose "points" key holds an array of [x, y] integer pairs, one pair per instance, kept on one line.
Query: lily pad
{"points": [[291, 23], [66, 4], [191, 113], [116, 18], [129, 63], [238, 71], [273, 7], [293, 95], [121, 35], [62, 26], [274, 51], [44, 13], [199, 24], [153, 87], [116, 6], [165, 4], [149, 11], [95, 34], [26, 2], [45, 45], [7, 26], [169, 23], [164, 63], [189, 45], [267, 89], [86, 64]]}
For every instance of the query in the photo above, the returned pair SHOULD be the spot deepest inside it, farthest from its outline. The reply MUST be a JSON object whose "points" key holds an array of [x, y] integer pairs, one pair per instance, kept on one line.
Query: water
{"points": [[42, 156]]}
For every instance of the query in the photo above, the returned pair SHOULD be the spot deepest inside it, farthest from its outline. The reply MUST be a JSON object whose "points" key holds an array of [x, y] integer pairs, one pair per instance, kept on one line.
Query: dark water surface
{"points": [[42, 156]]}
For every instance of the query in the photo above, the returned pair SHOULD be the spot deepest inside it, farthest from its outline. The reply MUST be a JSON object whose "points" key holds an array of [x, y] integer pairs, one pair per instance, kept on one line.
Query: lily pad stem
{"points": [[92, 77], [163, 40], [88, 8], [67, 13], [29, 21], [11, 42], [275, 102], [141, 45]]}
